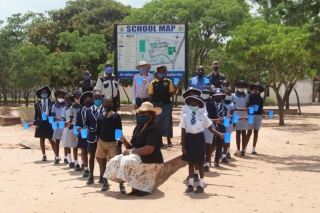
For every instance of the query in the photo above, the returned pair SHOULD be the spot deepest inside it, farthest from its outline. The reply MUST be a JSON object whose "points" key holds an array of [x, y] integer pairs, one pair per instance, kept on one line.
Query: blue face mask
{"points": [[108, 108], [97, 102], [193, 109], [109, 70], [144, 118], [44, 95], [87, 77], [143, 69], [200, 75], [218, 99], [161, 75]]}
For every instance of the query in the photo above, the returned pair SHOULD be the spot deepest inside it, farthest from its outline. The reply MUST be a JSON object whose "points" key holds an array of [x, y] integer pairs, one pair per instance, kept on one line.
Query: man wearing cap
{"points": [[109, 87], [198, 81], [216, 77], [87, 84], [140, 85]]}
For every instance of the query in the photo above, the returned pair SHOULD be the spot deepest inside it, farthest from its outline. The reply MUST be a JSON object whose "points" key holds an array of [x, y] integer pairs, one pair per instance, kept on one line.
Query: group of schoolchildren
{"points": [[85, 111], [202, 128]]}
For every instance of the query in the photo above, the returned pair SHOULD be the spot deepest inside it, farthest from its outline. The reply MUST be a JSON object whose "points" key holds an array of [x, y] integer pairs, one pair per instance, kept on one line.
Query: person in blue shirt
{"points": [[198, 81]]}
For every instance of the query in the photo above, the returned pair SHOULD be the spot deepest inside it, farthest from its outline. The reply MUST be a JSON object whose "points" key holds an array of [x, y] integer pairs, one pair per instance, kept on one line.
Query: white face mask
{"points": [[240, 89], [228, 97], [60, 100], [204, 96]]}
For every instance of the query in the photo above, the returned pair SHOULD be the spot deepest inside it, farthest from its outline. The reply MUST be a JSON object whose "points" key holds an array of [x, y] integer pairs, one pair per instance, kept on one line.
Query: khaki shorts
{"points": [[106, 149]]}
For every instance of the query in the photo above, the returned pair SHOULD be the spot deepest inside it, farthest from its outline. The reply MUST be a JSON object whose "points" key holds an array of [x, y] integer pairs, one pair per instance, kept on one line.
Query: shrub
{"points": [[27, 114], [269, 102], [6, 111]]}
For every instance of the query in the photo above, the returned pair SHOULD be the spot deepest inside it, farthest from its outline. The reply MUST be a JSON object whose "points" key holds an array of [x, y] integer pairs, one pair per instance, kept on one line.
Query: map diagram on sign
{"points": [[158, 50]]}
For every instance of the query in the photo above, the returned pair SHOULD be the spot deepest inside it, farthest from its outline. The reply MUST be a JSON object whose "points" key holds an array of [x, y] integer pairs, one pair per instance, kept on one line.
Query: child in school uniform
{"points": [[193, 142], [107, 146], [255, 99], [43, 127], [56, 111], [92, 114], [86, 101], [240, 99]]}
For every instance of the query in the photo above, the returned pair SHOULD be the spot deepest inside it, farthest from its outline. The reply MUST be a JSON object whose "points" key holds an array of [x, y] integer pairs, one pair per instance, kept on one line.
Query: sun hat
{"points": [[38, 92], [196, 91], [164, 67], [84, 96], [196, 98], [148, 107], [143, 63], [58, 92], [245, 85], [252, 86]]}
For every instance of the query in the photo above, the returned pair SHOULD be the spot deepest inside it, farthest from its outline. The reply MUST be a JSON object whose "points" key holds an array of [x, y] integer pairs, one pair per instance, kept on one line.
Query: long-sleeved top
{"points": [[106, 126], [141, 90], [256, 99]]}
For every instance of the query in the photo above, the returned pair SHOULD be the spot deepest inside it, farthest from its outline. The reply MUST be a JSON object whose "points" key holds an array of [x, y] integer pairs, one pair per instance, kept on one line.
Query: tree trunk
{"points": [[19, 100], [125, 92], [288, 98], [298, 100], [5, 97], [280, 102], [27, 99]]}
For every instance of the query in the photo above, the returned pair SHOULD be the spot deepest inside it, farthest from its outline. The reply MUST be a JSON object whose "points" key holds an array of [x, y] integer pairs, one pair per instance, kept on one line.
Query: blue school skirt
{"points": [[195, 148]]}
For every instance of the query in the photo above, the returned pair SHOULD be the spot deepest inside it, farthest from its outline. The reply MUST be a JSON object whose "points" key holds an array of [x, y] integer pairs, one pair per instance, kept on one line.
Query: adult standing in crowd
{"points": [[109, 87], [198, 81], [87, 84], [160, 92], [216, 77], [140, 85]]}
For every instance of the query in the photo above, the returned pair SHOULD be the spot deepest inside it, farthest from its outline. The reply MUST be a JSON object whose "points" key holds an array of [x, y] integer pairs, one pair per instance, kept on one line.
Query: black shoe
{"points": [[71, 165], [207, 169], [101, 180], [44, 158], [90, 181], [82, 166], [228, 156], [105, 187], [243, 153], [254, 152], [77, 168], [189, 189], [66, 161], [57, 161], [134, 192], [142, 193], [122, 188], [86, 173], [196, 177], [224, 160], [216, 164], [199, 190]]}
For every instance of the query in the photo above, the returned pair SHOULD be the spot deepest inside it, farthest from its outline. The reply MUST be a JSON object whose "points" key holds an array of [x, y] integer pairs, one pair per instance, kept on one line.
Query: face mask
{"points": [[215, 68], [77, 100], [87, 77], [200, 75], [240, 89], [60, 100], [88, 104], [97, 102], [109, 70], [228, 97], [204, 96], [161, 75], [44, 95], [143, 69], [68, 102], [144, 118], [108, 108], [224, 88], [193, 109], [218, 99]]}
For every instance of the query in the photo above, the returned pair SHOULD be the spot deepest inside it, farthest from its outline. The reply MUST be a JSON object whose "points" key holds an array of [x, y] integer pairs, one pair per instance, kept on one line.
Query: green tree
{"points": [[273, 54]]}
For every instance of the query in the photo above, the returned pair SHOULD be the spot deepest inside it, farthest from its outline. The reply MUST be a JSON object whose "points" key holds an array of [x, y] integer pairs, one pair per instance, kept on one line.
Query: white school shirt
{"points": [[47, 107], [185, 109], [202, 122]]}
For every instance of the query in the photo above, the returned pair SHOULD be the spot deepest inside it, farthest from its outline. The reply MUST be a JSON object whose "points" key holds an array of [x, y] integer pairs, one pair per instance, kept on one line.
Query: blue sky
{"points": [[9, 7]]}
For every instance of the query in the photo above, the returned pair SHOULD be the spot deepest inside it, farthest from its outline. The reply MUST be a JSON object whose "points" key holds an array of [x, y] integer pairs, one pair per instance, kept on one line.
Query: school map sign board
{"points": [[163, 44]]}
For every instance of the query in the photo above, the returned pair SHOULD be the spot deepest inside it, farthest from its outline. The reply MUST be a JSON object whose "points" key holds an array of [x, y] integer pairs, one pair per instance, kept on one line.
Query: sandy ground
{"points": [[283, 177]]}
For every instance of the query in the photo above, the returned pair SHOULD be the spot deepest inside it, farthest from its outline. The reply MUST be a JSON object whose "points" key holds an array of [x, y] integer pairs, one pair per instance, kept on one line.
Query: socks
{"points": [[222, 149], [224, 155], [44, 155], [86, 168], [76, 162], [207, 164], [191, 181], [69, 158], [201, 182], [253, 149], [228, 151], [65, 157], [196, 172], [57, 158]]}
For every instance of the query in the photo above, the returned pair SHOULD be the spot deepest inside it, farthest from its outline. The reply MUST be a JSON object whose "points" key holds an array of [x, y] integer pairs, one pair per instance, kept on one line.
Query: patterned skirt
{"points": [[130, 169]]}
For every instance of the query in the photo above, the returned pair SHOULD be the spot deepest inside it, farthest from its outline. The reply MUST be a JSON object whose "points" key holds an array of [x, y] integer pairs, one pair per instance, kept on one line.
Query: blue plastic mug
{"points": [[75, 130], [226, 122], [54, 125], [51, 119], [26, 125], [44, 116], [250, 119], [256, 107], [206, 80], [227, 137], [270, 113], [235, 118], [251, 110], [175, 81], [84, 133], [62, 124], [118, 134], [140, 80]]}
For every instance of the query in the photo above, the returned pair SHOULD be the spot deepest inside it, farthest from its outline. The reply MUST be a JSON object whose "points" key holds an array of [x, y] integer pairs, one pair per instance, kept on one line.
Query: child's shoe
{"points": [[66, 161], [77, 168], [207, 169], [86, 173], [228, 156], [199, 190], [71, 165], [189, 189], [44, 158], [224, 160]]}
